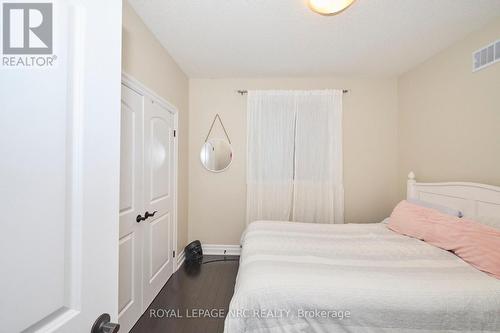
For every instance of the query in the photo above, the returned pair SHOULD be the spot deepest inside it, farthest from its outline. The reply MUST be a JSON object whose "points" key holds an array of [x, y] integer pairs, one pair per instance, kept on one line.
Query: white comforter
{"points": [[296, 277]]}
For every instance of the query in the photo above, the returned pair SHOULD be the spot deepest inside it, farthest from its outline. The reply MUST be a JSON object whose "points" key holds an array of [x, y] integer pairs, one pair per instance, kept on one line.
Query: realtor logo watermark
{"points": [[27, 34]]}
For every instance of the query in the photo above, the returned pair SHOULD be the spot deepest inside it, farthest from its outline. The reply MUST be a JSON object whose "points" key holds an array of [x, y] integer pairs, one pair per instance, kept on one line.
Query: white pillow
{"points": [[442, 209]]}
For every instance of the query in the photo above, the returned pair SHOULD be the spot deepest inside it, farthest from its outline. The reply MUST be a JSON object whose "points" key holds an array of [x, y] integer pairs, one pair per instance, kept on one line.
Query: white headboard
{"points": [[475, 201]]}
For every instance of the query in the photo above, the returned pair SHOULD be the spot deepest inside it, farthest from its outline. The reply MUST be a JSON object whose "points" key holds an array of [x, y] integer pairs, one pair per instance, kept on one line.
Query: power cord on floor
{"points": [[220, 260]]}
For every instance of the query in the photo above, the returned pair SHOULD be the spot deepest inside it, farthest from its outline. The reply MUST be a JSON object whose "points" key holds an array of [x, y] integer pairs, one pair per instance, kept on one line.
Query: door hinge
{"points": [[175, 133], [174, 254]]}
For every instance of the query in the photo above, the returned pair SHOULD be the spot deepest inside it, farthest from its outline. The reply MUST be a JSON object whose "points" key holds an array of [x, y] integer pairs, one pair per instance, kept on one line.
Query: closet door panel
{"points": [[131, 204], [127, 245], [161, 160], [127, 148], [160, 243], [158, 186]]}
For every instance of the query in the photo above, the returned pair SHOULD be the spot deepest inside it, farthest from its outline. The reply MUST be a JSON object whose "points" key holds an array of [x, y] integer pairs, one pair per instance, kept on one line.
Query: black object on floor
{"points": [[193, 252], [194, 300]]}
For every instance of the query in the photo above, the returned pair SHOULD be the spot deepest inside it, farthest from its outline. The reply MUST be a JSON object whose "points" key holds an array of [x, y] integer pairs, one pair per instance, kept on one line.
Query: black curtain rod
{"points": [[244, 92]]}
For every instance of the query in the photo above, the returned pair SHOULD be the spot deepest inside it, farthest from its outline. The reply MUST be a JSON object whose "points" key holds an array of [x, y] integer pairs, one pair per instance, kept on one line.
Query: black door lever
{"points": [[139, 218], [148, 214]]}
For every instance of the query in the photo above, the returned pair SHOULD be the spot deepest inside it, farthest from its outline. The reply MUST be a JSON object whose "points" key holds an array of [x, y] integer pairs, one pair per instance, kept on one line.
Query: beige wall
{"points": [[145, 59], [450, 117], [217, 201]]}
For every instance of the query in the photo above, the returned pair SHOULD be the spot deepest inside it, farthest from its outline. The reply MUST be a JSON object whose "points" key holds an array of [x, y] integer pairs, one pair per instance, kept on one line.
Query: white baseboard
{"points": [[219, 249], [180, 259]]}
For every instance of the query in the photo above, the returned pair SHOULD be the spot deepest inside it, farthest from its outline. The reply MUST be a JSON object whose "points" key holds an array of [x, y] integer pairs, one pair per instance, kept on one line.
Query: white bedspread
{"points": [[290, 272]]}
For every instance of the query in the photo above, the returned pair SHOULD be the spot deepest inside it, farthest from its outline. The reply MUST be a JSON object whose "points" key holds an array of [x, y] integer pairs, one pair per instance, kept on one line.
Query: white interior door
{"points": [[159, 197], [59, 169], [130, 305]]}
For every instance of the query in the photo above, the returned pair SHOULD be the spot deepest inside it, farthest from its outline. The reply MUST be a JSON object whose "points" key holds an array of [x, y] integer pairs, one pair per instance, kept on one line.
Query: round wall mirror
{"points": [[216, 155]]}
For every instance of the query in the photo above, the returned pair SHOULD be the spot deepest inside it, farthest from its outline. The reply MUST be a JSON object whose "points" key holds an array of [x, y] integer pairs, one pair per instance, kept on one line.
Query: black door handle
{"points": [[148, 214], [139, 218], [103, 325]]}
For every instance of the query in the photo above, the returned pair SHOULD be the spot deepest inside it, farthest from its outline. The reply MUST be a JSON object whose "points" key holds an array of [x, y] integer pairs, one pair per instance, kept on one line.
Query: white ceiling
{"points": [[264, 38]]}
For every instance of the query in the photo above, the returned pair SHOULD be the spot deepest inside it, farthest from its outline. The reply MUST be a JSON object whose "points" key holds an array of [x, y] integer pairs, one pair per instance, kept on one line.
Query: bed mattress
{"points": [[297, 277]]}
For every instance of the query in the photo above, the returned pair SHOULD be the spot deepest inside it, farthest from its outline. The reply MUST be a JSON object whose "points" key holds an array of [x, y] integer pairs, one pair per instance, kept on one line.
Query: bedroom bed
{"points": [[297, 277]]}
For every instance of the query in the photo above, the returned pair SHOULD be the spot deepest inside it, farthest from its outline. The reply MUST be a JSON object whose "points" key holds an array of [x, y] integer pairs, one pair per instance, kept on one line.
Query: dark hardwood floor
{"points": [[194, 300]]}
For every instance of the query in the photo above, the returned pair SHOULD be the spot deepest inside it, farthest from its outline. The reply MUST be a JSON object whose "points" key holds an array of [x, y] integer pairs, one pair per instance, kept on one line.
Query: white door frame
{"points": [[140, 88]]}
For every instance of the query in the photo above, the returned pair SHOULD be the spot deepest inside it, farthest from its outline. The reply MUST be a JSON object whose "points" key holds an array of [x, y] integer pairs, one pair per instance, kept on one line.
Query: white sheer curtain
{"points": [[318, 192], [294, 156], [270, 149]]}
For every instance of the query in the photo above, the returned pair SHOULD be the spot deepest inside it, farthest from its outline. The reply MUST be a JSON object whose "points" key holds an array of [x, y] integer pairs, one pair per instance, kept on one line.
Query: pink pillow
{"points": [[475, 243]]}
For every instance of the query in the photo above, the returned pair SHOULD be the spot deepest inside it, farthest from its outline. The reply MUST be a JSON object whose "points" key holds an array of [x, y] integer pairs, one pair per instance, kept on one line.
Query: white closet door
{"points": [[159, 198], [131, 204]]}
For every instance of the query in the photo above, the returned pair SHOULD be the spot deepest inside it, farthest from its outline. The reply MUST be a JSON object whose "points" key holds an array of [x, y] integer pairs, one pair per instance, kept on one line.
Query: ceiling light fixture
{"points": [[329, 7]]}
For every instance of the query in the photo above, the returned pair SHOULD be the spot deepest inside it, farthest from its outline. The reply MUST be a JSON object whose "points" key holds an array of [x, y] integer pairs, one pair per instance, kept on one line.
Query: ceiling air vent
{"points": [[486, 56]]}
